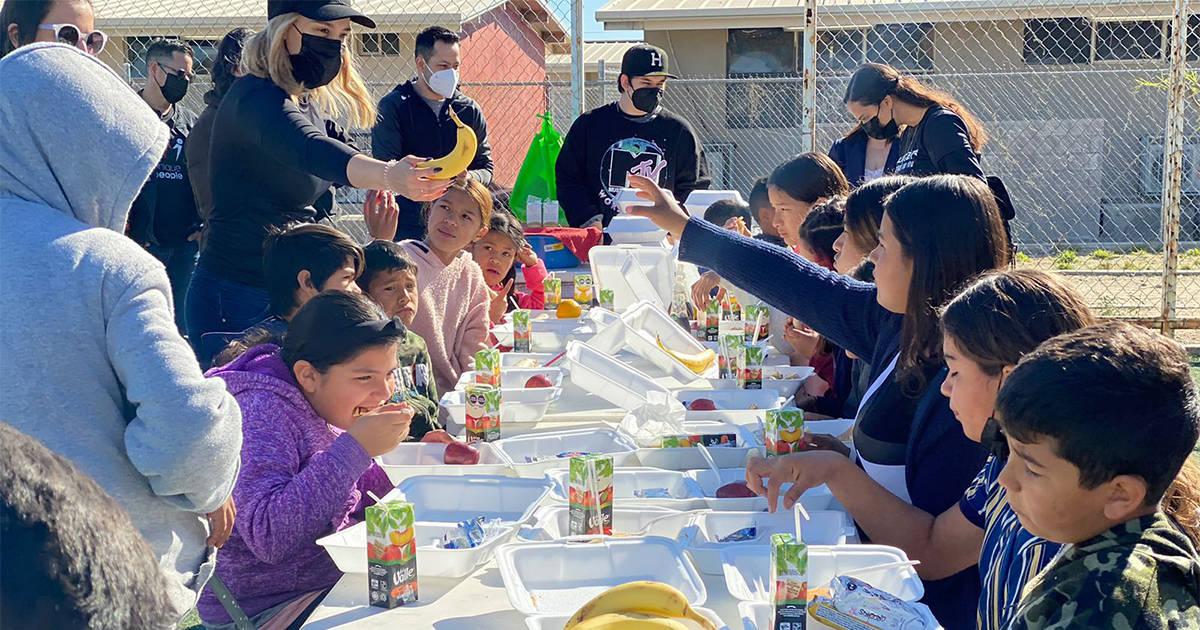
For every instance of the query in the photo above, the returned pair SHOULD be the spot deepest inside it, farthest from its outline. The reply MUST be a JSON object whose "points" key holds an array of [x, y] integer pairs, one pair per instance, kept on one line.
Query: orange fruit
{"points": [[568, 309]]}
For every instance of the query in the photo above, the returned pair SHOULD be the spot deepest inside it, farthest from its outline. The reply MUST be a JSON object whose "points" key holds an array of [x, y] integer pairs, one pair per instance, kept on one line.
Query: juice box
{"points": [[709, 440], [752, 373], [606, 298], [553, 288], [583, 290], [521, 330], [752, 313], [783, 431], [732, 351], [789, 582], [487, 367], [590, 494], [483, 413], [712, 321], [391, 554]]}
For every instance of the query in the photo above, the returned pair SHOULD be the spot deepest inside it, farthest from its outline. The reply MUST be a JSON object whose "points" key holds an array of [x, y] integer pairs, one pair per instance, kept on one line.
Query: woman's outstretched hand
{"points": [[664, 211]]}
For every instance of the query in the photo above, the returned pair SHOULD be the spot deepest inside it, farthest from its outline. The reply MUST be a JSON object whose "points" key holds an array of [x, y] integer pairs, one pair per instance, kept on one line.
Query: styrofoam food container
{"points": [[758, 615], [411, 459], [786, 387], [639, 331], [841, 428], [739, 406], [816, 498], [545, 447], [699, 200], [685, 493], [552, 522], [453, 499], [689, 458], [824, 527], [556, 578], [748, 570], [517, 406], [514, 378], [612, 380], [512, 359], [348, 549], [634, 273], [558, 622], [626, 229]]}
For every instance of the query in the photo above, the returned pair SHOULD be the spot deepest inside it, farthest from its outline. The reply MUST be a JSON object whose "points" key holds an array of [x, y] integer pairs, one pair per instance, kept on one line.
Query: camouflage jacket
{"points": [[414, 385], [1142, 574]]}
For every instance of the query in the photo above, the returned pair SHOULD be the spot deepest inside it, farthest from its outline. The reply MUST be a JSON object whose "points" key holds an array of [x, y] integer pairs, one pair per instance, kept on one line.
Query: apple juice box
{"points": [[521, 331], [483, 413], [606, 298], [584, 290], [487, 367], [590, 494], [752, 364], [391, 554], [784, 431], [789, 582], [712, 320], [753, 312], [553, 288]]}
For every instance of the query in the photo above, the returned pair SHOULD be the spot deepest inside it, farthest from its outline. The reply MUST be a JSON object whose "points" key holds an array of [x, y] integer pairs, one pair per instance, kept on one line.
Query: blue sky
{"points": [[593, 30]]}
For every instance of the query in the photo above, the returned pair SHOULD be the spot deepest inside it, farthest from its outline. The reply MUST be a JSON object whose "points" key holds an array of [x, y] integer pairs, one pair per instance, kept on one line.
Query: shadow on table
{"points": [[352, 595], [499, 619], [491, 578]]}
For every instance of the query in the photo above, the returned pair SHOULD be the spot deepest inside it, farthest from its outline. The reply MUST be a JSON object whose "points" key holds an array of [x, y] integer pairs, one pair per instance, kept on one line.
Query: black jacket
{"points": [[850, 153], [407, 126], [164, 212]]}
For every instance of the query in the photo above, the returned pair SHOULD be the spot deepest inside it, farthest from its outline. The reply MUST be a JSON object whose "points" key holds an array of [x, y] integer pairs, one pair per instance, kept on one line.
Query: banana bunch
{"points": [[697, 363], [638, 606], [460, 157]]}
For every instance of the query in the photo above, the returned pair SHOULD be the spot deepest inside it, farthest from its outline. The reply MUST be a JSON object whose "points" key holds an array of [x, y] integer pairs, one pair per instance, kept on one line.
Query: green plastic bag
{"points": [[536, 177]]}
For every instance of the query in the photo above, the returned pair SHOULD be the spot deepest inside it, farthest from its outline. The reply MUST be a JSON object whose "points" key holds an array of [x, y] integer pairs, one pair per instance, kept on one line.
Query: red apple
{"points": [[735, 490], [538, 380], [460, 453], [702, 404], [438, 436]]}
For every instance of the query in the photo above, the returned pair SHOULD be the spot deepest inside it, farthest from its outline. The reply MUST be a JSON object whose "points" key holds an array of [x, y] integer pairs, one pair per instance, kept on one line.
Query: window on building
{"points": [[135, 49], [1193, 48], [907, 47], [205, 52], [764, 66], [1058, 41], [840, 51], [1140, 39], [380, 44]]}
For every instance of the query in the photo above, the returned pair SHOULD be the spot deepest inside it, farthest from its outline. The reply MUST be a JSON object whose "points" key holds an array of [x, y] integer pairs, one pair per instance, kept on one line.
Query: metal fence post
{"points": [[1172, 178], [577, 67], [602, 80], [809, 120]]}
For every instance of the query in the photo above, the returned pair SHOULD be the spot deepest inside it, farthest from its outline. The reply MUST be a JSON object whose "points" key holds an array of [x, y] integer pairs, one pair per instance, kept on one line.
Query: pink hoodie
{"points": [[452, 315]]}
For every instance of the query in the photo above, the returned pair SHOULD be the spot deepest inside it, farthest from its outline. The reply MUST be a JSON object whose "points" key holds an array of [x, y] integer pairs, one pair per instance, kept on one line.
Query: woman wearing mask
{"points": [[868, 152], [71, 22], [275, 151], [940, 136]]}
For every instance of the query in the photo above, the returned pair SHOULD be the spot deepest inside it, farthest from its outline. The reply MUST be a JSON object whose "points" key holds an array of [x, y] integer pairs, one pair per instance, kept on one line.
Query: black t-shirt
{"points": [[605, 144], [272, 157], [164, 212], [939, 145]]}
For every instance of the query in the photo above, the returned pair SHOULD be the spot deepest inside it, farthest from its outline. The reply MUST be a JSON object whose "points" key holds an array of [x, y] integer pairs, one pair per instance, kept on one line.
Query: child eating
{"points": [[390, 278], [495, 253], [452, 314]]}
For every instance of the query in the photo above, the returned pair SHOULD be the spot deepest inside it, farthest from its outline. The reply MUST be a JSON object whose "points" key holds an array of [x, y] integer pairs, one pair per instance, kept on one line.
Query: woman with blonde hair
{"points": [[275, 150]]}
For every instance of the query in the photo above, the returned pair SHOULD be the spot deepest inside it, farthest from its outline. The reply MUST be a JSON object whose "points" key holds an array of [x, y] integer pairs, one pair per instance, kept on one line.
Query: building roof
{"points": [[722, 14], [593, 53]]}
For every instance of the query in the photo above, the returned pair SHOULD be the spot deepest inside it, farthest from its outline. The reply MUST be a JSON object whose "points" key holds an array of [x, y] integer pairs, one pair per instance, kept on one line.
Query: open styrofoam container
{"points": [[599, 374], [519, 360], [552, 522], [785, 387], [685, 493], [535, 453], [557, 577], [823, 527], [740, 406], [640, 329], [689, 458], [451, 499], [411, 459], [748, 569], [558, 622], [515, 378], [517, 406], [816, 498], [348, 549], [759, 615], [699, 200], [840, 428], [634, 273]]}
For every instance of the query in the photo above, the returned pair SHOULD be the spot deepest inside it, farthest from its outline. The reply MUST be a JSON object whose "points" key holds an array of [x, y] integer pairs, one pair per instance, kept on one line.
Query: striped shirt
{"points": [[1011, 556]]}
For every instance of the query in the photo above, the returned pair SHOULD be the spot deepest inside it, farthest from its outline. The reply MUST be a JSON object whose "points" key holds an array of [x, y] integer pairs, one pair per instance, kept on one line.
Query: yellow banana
{"points": [[646, 598], [630, 621], [697, 363], [460, 157]]}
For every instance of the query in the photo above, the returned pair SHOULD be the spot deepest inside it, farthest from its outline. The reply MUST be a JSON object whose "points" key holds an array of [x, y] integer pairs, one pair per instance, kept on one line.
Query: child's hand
{"points": [[824, 442], [220, 523], [381, 214], [737, 224], [802, 470], [804, 340], [499, 304], [702, 289], [526, 257], [383, 429]]}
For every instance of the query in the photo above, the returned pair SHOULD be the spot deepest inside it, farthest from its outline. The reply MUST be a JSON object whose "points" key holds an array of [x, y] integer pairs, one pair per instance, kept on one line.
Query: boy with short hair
{"points": [[390, 278], [722, 210], [1099, 422]]}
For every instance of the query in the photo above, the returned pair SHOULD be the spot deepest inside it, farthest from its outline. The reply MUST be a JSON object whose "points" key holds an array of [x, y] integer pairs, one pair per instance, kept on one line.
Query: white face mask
{"points": [[443, 82]]}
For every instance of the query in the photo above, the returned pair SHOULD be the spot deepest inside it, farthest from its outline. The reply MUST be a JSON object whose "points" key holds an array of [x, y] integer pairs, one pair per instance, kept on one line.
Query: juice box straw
{"points": [[758, 322]]}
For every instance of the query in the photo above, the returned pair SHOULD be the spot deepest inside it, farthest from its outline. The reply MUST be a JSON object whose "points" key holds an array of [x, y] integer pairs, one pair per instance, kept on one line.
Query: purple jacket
{"points": [[301, 479]]}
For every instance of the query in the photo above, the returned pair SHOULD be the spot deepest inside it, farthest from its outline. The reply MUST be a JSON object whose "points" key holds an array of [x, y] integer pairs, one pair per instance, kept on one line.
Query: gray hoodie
{"points": [[90, 360]]}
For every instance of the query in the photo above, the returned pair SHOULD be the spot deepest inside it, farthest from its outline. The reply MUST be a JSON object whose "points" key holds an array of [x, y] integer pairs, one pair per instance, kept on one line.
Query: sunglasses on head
{"points": [[70, 34]]}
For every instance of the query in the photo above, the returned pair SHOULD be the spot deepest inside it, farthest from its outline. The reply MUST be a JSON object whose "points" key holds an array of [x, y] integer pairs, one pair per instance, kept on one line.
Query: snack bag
{"points": [[752, 372], [783, 431], [789, 582], [583, 290], [752, 313], [855, 604], [590, 494], [709, 440], [483, 413], [606, 298], [391, 554], [521, 331], [553, 289], [487, 367], [712, 320]]}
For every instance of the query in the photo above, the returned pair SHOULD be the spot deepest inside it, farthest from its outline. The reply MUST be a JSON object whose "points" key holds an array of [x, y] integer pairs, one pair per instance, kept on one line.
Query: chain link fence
{"points": [[1073, 93]]}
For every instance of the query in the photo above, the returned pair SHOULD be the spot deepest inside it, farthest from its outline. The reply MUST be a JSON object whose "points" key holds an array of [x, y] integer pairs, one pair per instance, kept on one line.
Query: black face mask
{"points": [[646, 99], [174, 88], [319, 61], [881, 132]]}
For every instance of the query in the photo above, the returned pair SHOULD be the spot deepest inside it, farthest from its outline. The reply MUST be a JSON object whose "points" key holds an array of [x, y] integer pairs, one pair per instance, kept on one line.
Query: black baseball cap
{"points": [[320, 10], [645, 60]]}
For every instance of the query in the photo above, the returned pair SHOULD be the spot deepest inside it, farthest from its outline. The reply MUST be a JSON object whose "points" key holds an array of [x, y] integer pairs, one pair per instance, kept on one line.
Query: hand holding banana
{"points": [[419, 179]]}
